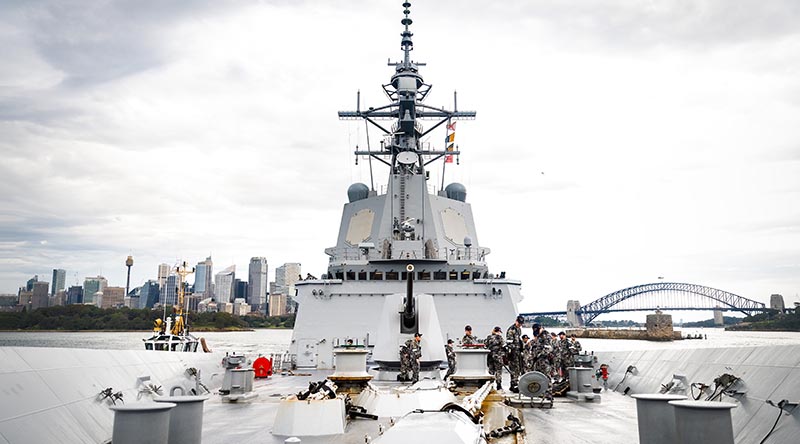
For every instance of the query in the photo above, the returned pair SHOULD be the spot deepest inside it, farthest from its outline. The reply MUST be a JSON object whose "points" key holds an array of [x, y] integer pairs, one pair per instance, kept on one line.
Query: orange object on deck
{"points": [[262, 367]]}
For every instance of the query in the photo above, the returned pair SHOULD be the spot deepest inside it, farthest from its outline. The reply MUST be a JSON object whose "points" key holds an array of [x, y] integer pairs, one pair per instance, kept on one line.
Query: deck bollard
{"points": [[580, 379], [656, 418], [186, 419], [143, 422], [706, 422]]}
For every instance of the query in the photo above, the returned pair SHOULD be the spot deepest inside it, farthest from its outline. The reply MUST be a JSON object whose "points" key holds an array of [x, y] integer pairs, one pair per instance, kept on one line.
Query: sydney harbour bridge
{"points": [[665, 296]]}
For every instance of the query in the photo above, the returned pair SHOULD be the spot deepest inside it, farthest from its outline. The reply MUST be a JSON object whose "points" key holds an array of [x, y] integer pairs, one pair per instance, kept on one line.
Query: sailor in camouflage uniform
{"points": [[564, 354], [527, 354], [469, 338], [410, 354], [496, 346], [542, 351], [576, 346], [514, 344], [451, 358]]}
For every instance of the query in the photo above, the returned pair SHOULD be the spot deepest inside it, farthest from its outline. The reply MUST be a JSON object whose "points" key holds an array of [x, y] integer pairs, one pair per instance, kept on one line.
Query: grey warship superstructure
{"points": [[408, 227]]}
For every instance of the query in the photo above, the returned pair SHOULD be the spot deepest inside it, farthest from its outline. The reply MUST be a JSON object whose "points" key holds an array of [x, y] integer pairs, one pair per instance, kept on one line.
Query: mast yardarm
{"points": [[401, 150]]}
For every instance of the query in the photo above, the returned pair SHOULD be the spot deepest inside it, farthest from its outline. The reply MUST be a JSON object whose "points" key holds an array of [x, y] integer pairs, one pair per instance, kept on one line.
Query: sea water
{"points": [[268, 341]]}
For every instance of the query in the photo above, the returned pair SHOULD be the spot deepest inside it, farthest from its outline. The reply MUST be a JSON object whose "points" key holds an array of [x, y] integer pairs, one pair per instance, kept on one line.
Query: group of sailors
{"points": [[544, 351]]}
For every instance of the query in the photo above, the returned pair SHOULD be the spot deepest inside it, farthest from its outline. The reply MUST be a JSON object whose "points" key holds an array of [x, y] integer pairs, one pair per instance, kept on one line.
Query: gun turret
{"points": [[408, 322]]}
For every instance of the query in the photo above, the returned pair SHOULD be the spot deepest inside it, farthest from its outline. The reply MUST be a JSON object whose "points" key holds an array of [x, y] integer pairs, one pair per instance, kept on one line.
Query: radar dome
{"points": [[357, 191], [456, 191]]}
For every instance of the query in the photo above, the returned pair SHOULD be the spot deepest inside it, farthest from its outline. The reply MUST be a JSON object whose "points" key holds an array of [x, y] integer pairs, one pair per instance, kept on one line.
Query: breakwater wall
{"points": [[766, 373], [603, 333]]}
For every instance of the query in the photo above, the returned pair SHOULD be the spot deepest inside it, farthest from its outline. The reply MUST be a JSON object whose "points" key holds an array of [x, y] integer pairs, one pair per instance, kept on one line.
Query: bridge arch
{"points": [[726, 299]]}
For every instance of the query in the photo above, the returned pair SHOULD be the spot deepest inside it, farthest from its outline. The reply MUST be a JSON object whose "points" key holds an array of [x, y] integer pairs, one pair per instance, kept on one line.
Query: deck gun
{"points": [[409, 319]]}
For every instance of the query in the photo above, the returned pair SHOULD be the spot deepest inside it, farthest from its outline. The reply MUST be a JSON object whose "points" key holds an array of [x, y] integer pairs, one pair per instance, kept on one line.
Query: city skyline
{"points": [[615, 142]]}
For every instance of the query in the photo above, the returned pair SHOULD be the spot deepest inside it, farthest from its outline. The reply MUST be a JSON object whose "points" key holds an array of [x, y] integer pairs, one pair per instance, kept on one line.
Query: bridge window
{"points": [[440, 275], [362, 275], [424, 275], [453, 276], [376, 276], [465, 275], [404, 276], [392, 276], [476, 275], [339, 275], [351, 275]]}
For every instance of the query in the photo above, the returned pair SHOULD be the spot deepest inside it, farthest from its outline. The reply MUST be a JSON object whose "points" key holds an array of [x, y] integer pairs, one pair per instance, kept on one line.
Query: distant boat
{"points": [[173, 335]]}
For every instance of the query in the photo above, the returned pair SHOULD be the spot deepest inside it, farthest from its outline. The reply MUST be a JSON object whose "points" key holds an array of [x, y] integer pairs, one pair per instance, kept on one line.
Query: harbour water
{"points": [[266, 341]]}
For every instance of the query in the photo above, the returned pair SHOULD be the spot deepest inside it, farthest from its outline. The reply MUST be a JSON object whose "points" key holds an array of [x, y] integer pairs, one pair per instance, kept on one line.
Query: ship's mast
{"points": [[402, 150], [180, 324]]}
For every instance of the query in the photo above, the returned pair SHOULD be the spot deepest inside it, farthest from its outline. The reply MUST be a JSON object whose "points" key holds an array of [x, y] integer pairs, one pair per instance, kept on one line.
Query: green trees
{"points": [[88, 317]]}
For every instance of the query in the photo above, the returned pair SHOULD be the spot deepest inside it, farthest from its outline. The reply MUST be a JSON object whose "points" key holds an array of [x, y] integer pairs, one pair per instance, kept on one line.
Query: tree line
{"points": [[88, 317]]}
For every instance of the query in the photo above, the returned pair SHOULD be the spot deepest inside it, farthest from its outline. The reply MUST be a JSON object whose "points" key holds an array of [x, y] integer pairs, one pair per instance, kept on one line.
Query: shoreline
{"points": [[198, 330]]}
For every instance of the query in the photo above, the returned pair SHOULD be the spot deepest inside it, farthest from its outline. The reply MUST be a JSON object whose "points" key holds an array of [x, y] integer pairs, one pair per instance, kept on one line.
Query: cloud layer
{"points": [[615, 142]]}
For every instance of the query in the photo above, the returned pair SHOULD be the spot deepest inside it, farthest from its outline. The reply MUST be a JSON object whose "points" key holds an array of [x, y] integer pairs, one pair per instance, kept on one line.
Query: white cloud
{"points": [[666, 132]]}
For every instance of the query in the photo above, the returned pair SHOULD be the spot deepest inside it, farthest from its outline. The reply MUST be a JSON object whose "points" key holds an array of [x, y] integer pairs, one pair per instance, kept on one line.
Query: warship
{"points": [[406, 261], [407, 233]]}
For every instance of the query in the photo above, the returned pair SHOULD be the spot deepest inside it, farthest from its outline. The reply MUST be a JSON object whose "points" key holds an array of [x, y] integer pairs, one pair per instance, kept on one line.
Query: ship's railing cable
{"points": [[783, 406], [630, 370], [721, 384]]}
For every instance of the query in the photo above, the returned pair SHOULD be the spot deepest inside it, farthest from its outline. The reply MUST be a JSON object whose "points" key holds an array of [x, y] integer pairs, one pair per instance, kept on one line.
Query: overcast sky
{"points": [[616, 141]]}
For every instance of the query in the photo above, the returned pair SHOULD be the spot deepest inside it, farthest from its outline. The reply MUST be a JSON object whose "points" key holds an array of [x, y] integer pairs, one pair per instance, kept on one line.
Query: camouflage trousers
{"points": [[451, 367], [409, 368], [515, 367], [496, 367], [543, 365]]}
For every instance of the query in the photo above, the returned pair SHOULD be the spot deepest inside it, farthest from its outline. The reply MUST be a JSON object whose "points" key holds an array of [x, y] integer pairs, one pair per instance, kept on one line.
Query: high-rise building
{"points": [[240, 289], [163, 273], [91, 286], [223, 284], [169, 292], [285, 277], [257, 284], [277, 304], [240, 307], [75, 295], [59, 280], [41, 296], [113, 297], [203, 274], [31, 281], [149, 295]]}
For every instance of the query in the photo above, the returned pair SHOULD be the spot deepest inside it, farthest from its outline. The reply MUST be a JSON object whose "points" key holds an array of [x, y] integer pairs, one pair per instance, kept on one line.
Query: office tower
{"points": [[240, 307], [75, 295], [257, 284], [41, 296], [150, 294], [285, 277], [163, 272], [223, 284], [240, 289], [91, 286], [31, 281], [113, 297], [59, 281], [169, 292], [204, 272], [277, 304]]}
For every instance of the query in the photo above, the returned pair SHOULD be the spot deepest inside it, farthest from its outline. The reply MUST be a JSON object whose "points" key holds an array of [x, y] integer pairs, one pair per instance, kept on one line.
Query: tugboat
{"points": [[409, 232], [172, 333]]}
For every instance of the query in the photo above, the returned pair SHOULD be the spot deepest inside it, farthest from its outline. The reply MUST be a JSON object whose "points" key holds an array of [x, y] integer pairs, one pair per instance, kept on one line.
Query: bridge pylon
{"points": [[573, 316]]}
